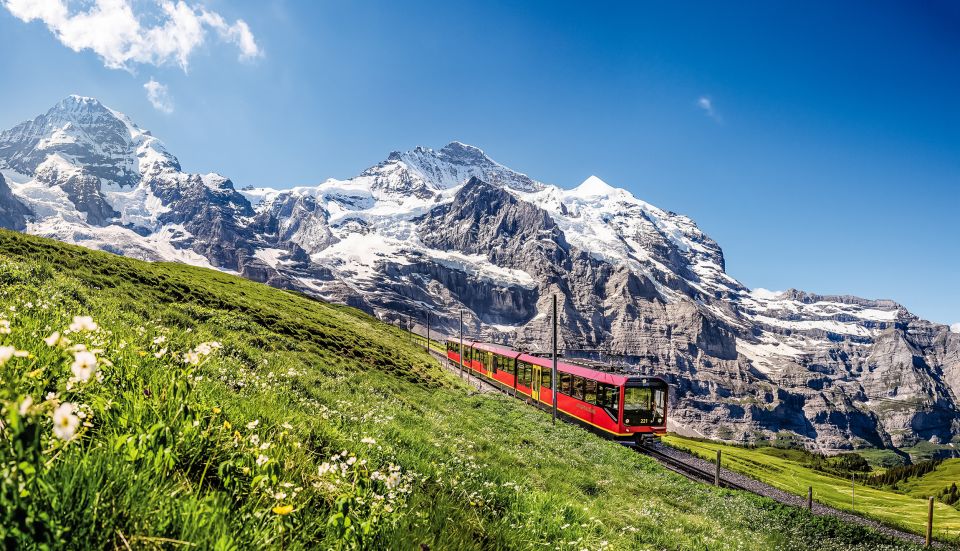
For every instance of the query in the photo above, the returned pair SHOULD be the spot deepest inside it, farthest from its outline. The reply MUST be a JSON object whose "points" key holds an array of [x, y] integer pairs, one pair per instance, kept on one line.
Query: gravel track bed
{"points": [[786, 498]]}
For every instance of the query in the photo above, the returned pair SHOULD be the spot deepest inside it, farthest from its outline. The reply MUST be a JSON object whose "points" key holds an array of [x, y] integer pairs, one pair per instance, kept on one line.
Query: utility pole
{"points": [[461, 343], [853, 493], [553, 370], [929, 538]]}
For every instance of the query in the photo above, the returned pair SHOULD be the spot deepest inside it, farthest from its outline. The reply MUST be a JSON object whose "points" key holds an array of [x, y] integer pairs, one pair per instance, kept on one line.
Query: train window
{"points": [[545, 381], [566, 383], [643, 406], [590, 391], [523, 368], [577, 388], [608, 397]]}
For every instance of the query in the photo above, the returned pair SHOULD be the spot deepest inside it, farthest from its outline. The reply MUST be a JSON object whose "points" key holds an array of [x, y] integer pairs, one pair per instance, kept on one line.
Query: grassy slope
{"points": [[930, 484], [286, 437], [775, 467]]}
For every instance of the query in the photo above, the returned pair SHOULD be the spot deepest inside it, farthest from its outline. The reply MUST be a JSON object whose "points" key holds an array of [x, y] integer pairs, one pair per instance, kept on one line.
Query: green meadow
{"points": [[162, 406], [785, 470], [931, 484]]}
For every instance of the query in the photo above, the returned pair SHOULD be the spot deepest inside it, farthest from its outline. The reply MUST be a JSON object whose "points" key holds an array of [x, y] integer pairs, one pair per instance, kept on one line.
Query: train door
{"points": [[535, 384]]}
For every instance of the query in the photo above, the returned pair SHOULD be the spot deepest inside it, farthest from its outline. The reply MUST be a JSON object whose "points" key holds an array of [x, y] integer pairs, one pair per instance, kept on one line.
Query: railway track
{"points": [[703, 471], [686, 469]]}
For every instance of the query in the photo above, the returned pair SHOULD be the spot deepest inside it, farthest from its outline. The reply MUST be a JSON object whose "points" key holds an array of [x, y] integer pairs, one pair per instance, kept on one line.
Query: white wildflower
{"points": [[54, 339], [393, 480], [83, 323], [7, 352], [253, 424], [367, 440], [262, 460], [4, 327], [25, 405], [64, 421], [83, 366]]}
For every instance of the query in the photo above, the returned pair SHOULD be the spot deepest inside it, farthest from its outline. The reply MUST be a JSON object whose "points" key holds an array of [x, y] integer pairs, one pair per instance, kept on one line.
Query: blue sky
{"points": [[828, 159]]}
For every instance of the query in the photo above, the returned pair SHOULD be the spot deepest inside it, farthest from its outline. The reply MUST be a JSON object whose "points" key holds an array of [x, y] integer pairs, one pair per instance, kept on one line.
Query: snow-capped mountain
{"points": [[451, 229]]}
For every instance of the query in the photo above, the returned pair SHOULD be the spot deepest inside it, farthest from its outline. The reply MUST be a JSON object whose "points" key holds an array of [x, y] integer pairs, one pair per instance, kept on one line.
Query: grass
{"points": [[782, 469], [197, 409], [931, 484]]}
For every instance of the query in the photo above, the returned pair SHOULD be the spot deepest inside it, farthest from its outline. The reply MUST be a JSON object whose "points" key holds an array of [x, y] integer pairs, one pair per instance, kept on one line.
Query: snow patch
{"points": [[270, 256], [765, 294], [763, 354], [593, 187], [955, 327], [830, 326]]}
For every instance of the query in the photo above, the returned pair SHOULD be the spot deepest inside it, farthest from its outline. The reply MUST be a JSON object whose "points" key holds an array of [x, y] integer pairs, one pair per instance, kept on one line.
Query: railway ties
{"points": [[681, 467]]}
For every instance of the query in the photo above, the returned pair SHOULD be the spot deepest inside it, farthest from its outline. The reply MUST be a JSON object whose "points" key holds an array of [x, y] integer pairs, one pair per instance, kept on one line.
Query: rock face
{"points": [[451, 230], [13, 214]]}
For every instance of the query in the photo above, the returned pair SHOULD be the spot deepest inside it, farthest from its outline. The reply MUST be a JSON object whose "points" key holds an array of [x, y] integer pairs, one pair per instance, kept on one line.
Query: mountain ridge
{"points": [[451, 229]]}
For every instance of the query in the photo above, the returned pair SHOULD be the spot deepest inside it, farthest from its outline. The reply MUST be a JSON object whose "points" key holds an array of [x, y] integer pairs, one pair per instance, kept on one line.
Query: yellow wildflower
{"points": [[283, 509]]}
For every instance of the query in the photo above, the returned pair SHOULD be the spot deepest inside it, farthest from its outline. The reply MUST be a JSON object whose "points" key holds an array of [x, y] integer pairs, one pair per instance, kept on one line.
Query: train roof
{"points": [[616, 379]]}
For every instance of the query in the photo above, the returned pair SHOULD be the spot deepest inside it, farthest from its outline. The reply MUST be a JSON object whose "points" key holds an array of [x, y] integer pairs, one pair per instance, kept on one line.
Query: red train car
{"points": [[621, 407]]}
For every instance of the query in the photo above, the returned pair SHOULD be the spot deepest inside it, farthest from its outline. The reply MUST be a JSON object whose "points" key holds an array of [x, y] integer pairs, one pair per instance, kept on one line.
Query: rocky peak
{"points": [[459, 152], [424, 172], [486, 219], [97, 140], [593, 187]]}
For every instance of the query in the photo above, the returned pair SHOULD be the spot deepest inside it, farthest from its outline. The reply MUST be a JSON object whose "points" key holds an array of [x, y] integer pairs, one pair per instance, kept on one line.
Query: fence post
{"points": [[716, 476], [930, 522], [810, 498]]}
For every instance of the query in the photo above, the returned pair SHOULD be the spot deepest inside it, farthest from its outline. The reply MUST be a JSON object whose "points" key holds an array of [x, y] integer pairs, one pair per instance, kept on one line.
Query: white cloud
{"points": [[706, 104], [955, 327], [112, 29], [159, 96]]}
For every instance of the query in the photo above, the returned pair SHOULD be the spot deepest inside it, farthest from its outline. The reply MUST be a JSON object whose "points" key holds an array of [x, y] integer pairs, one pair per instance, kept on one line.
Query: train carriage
{"points": [[621, 407]]}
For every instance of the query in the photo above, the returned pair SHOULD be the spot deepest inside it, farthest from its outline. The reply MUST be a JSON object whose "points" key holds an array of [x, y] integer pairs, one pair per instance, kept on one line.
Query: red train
{"points": [[621, 407]]}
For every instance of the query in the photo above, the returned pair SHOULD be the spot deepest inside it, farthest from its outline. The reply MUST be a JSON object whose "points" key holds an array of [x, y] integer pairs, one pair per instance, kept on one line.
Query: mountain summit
{"points": [[451, 229]]}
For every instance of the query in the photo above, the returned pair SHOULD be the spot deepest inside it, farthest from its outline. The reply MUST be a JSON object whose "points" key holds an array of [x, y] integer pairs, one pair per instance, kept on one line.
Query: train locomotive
{"points": [[626, 408]]}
